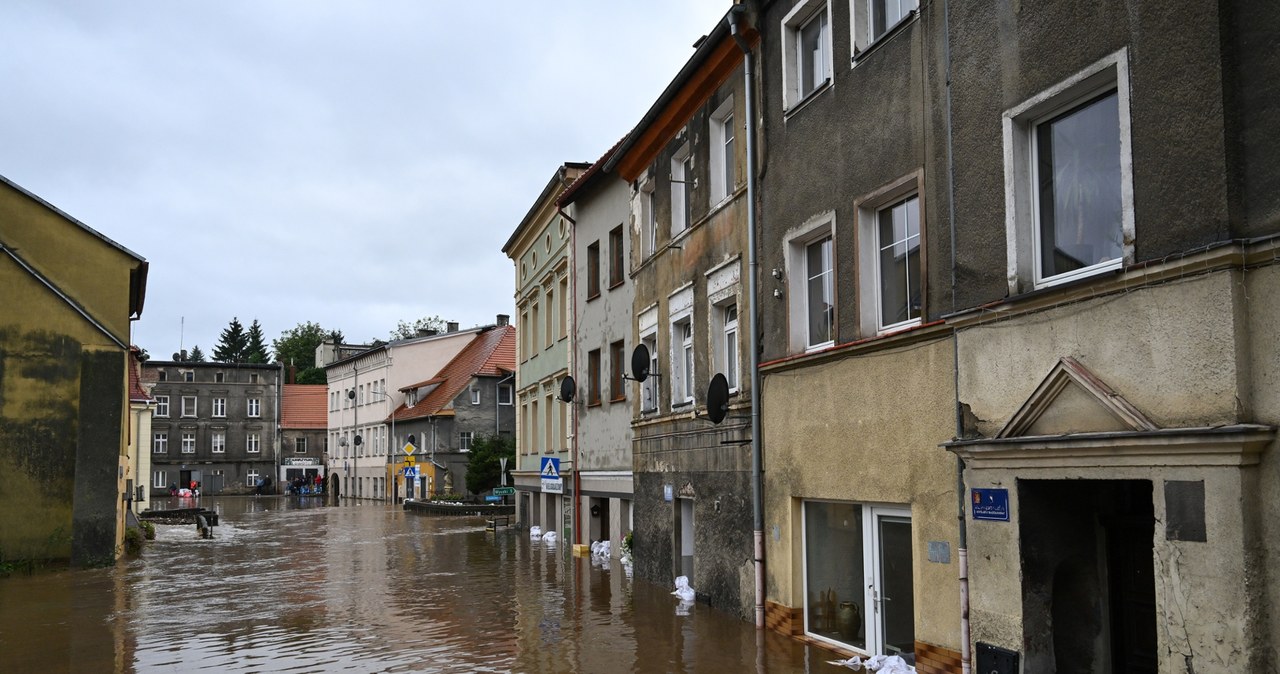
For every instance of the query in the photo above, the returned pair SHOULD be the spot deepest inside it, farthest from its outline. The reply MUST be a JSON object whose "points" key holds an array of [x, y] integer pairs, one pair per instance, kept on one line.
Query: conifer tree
{"points": [[232, 344], [196, 355], [255, 345]]}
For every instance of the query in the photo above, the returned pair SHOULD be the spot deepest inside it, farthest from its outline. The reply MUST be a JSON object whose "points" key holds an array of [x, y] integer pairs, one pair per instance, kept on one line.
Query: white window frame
{"points": [[252, 443], [647, 208], [300, 445], [681, 184], [189, 376], [218, 442], [475, 395], [251, 478], [864, 14], [253, 408], [794, 89], [220, 407], [649, 387], [159, 479], [505, 389], [188, 443], [795, 244], [724, 174], [162, 406], [1022, 225], [729, 347], [870, 292], [194, 406], [723, 287], [682, 358], [465, 438], [872, 581], [160, 442]]}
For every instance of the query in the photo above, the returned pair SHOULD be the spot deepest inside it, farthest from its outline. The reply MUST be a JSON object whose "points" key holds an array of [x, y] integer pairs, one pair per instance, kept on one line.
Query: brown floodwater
{"points": [[292, 585]]}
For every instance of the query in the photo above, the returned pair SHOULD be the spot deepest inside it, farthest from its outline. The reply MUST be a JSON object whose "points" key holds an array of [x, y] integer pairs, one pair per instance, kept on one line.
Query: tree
{"points": [[255, 350], [484, 469], [231, 344], [409, 330], [196, 355], [297, 347]]}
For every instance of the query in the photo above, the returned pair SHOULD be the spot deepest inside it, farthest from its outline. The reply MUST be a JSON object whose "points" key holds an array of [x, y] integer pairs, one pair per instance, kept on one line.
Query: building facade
{"points": [[304, 430], [857, 372], [217, 424], [685, 166], [363, 390], [539, 249], [70, 295], [599, 205]]}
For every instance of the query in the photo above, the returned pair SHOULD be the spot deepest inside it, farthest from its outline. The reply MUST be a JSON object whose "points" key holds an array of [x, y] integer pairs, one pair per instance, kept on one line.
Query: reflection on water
{"points": [[290, 585]]}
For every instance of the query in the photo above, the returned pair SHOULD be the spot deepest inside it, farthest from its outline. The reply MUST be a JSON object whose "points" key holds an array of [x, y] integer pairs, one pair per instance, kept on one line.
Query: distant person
{"points": [[173, 489], [257, 489]]}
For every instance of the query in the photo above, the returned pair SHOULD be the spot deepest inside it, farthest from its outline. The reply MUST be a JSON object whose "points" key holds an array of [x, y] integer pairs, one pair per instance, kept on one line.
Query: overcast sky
{"points": [[348, 163]]}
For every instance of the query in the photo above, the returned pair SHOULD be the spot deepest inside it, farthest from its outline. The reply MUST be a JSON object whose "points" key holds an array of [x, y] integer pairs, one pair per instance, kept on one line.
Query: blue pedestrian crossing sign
{"points": [[551, 482]]}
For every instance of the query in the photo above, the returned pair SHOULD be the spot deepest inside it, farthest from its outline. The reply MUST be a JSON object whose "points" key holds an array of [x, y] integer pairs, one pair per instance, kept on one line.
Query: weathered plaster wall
{"points": [[833, 433], [1263, 321], [1169, 349]]}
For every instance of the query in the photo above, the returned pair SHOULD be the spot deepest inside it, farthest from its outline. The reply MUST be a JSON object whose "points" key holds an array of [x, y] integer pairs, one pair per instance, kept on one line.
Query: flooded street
{"points": [[287, 585]]}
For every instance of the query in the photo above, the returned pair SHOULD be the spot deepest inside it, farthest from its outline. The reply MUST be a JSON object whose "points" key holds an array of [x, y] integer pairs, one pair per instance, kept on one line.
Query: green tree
{"points": [[406, 330], [297, 347], [232, 344], [255, 350], [484, 469], [196, 355]]}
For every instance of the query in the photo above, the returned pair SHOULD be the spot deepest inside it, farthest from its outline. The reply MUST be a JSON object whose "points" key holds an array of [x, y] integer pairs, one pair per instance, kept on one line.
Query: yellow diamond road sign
{"points": [[409, 448]]}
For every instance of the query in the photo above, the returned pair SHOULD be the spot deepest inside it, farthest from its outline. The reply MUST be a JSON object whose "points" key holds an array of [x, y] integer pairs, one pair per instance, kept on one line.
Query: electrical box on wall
{"points": [[996, 660]]}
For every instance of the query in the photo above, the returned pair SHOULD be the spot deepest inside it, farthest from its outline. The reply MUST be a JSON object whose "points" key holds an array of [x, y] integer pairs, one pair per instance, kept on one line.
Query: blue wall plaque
{"points": [[990, 504]]}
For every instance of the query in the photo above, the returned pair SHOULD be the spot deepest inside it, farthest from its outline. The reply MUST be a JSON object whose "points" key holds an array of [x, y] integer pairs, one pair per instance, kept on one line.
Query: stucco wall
{"points": [[1263, 322], [866, 429]]}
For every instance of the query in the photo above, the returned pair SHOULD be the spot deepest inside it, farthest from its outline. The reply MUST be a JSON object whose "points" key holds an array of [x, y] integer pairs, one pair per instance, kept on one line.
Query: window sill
{"points": [[595, 403], [676, 406], [592, 297], [804, 100], [619, 399], [888, 35], [616, 284]]}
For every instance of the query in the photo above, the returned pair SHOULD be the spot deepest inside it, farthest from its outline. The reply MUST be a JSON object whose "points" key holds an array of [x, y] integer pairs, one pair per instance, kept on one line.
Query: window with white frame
{"points": [[806, 50], [300, 446], [218, 442], [649, 387], [189, 376], [475, 395], [255, 407], [188, 443], [890, 268], [682, 391], [163, 375], [159, 442], [723, 284], [728, 350], [159, 479], [810, 258], [1068, 179], [648, 220], [724, 173], [464, 440], [874, 19], [504, 394], [162, 406], [219, 407], [188, 406], [251, 478], [681, 190], [858, 577], [252, 444]]}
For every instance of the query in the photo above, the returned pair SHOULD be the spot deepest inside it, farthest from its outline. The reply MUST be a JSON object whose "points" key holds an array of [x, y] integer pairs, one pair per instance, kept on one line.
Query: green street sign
{"points": [[504, 491]]}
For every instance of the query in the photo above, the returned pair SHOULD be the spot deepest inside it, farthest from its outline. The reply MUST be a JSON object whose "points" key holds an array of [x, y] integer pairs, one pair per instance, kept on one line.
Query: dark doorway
{"points": [[332, 488], [1088, 576]]}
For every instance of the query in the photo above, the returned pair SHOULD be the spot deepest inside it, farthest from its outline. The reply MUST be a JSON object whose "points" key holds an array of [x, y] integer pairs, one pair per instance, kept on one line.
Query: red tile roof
{"points": [[303, 406], [137, 394], [491, 353]]}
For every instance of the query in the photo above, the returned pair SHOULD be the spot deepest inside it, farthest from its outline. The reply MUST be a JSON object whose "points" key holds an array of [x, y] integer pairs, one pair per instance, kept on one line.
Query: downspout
{"points": [[962, 554], [753, 265], [573, 346]]}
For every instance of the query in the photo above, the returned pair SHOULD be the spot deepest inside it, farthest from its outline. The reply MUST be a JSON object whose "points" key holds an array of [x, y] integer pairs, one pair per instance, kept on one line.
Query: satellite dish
{"points": [[640, 363], [718, 398], [351, 393], [342, 442], [567, 389], [360, 441], [413, 439]]}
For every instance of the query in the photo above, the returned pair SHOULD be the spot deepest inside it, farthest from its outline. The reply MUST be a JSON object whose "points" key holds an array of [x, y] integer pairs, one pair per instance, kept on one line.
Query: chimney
{"points": [[452, 326], [504, 320], [427, 332]]}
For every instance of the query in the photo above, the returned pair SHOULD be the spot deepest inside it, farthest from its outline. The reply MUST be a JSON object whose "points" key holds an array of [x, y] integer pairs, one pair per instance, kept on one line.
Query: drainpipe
{"points": [[757, 472], [962, 554], [573, 346], [497, 415]]}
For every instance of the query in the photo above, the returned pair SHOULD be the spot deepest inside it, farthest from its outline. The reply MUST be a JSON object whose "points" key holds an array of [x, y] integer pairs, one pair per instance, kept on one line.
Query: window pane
{"points": [[820, 308], [899, 241], [812, 47], [896, 598], [1078, 169], [730, 179], [834, 598]]}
